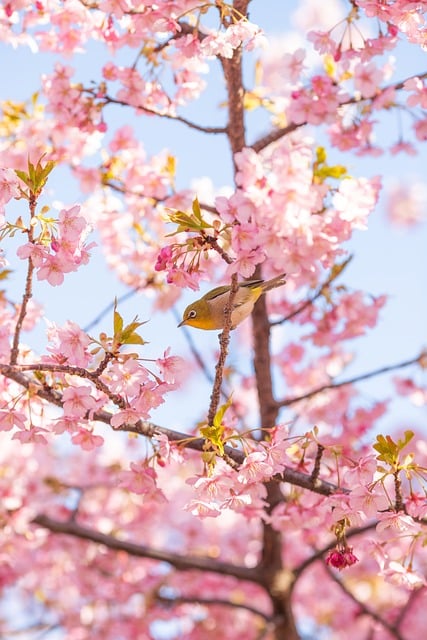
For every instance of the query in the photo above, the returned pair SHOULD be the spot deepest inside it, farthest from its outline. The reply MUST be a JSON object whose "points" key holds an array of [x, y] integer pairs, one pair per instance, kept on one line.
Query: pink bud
{"points": [[392, 30], [336, 559], [340, 559], [337, 54], [163, 258]]}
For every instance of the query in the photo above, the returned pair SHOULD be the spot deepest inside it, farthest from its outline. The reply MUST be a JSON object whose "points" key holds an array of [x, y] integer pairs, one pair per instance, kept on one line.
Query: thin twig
{"points": [[316, 468], [286, 402], [319, 553], [277, 134], [398, 501], [212, 601], [307, 303], [392, 629], [224, 340], [168, 116], [109, 307], [213, 242], [28, 292], [81, 372]]}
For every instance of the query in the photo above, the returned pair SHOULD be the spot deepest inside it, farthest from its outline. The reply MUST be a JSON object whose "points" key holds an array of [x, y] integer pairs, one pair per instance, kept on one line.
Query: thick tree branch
{"points": [[150, 430], [271, 559], [180, 562], [232, 68]]}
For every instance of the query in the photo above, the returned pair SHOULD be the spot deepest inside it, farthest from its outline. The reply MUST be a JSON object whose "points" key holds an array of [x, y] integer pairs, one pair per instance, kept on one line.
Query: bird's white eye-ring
{"points": [[192, 314]]}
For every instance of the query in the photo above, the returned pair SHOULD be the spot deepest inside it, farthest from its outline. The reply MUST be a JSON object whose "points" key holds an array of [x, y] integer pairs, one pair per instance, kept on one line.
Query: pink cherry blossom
{"points": [[408, 387], [255, 467], [368, 501], [141, 479], [171, 367], [10, 419], [9, 186], [69, 344], [403, 576], [126, 416], [32, 435], [363, 195], [78, 401], [86, 439], [392, 524], [203, 509], [367, 77]]}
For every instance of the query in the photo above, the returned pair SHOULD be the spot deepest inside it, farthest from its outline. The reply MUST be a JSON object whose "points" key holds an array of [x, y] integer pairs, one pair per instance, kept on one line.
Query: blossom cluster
{"points": [[66, 251]]}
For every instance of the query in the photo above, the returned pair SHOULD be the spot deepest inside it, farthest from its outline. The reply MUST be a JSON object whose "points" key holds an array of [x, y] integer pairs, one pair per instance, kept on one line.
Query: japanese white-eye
{"points": [[208, 312]]}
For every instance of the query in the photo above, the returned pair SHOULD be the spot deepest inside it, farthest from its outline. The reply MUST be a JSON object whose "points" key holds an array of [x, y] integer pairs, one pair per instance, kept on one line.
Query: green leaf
{"points": [[217, 421], [408, 435], [5, 273], [389, 450], [320, 155], [126, 334], [36, 176], [118, 320], [23, 176], [214, 434], [134, 338], [129, 335], [189, 221], [196, 210]]}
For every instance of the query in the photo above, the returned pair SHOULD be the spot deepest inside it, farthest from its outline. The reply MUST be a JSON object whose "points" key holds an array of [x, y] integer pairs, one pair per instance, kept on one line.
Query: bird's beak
{"points": [[181, 323]]}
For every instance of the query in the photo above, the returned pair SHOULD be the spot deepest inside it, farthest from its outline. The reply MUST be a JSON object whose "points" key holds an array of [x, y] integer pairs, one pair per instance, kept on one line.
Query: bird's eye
{"points": [[192, 314]]}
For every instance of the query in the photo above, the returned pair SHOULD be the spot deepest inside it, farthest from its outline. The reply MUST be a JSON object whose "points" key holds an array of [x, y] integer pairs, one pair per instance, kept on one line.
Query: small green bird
{"points": [[208, 312]]}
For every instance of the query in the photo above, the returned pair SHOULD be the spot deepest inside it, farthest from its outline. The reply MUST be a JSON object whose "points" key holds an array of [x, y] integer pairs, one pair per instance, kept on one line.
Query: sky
{"points": [[387, 259]]}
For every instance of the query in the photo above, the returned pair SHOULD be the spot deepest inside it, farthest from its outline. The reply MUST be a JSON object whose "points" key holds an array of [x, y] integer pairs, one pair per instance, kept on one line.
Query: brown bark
{"points": [[271, 566]]}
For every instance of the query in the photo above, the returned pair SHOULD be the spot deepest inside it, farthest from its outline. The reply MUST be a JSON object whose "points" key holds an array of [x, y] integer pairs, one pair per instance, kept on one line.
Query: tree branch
{"points": [[224, 340], [150, 430], [213, 601], [28, 292], [180, 562], [286, 402], [277, 134], [192, 125], [319, 553], [335, 272], [392, 629]]}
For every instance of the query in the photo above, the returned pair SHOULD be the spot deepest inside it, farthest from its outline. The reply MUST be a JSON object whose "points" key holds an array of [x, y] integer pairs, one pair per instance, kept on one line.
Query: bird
{"points": [[207, 313]]}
